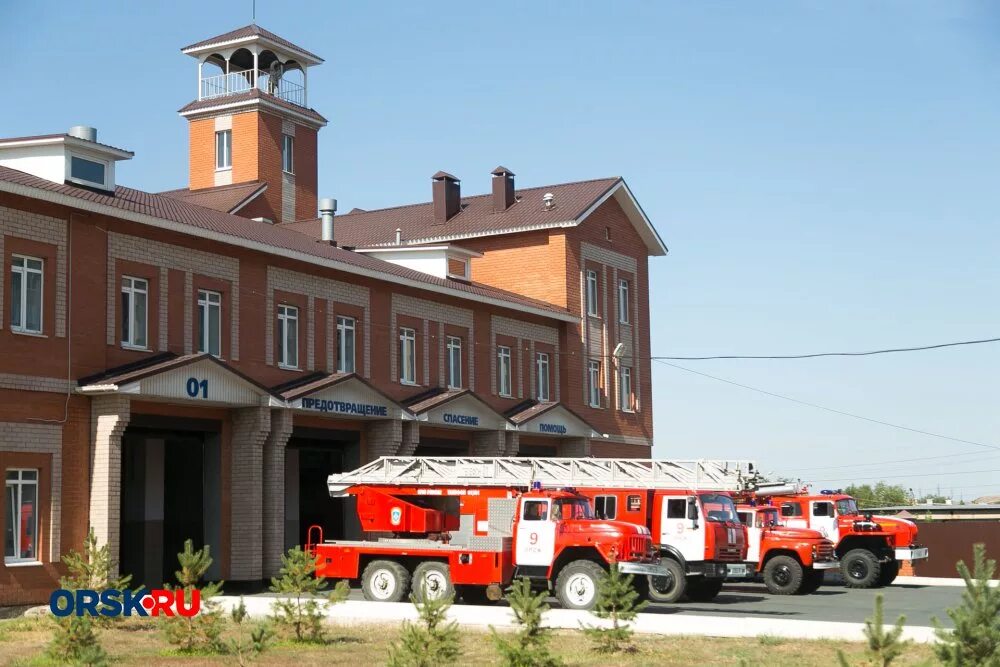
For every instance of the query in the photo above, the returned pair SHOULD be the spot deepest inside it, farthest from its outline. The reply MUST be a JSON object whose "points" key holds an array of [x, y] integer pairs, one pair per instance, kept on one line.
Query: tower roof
{"points": [[249, 34]]}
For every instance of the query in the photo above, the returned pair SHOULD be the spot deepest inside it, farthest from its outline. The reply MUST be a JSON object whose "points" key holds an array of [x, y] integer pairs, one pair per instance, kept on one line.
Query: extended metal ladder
{"points": [[695, 474]]}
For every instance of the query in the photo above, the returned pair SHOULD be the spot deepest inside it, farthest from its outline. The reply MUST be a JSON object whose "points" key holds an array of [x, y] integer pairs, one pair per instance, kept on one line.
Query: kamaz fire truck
{"points": [[469, 526]]}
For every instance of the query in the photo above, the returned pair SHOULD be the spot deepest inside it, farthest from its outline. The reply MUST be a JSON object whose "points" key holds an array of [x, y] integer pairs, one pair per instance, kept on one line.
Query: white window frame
{"points": [[602, 500], [104, 185], [504, 380], [287, 314], [594, 383], [224, 158], [24, 270], [625, 395], [130, 317], [346, 358], [542, 391], [407, 356], [288, 154], [623, 301], [205, 303], [20, 483], [454, 362], [591, 293]]}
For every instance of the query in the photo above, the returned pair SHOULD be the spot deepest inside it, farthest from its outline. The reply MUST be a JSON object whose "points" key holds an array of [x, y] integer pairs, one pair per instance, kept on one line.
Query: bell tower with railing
{"points": [[251, 122]]}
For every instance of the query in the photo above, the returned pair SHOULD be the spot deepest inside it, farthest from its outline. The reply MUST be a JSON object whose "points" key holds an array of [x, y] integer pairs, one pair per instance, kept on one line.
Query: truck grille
{"points": [[824, 551], [640, 547], [728, 554]]}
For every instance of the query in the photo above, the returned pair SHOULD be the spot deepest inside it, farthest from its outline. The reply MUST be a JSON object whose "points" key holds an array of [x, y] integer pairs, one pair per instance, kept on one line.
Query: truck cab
{"points": [[791, 560]]}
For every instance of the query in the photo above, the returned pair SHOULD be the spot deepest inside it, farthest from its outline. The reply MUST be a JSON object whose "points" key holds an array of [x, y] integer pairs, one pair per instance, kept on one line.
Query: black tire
{"points": [[474, 595], [576, 585], [783, 575], [385, 581], [860, 568], [704, 590], [889, 573], [432, 579], [811, 582], [668, 589]]}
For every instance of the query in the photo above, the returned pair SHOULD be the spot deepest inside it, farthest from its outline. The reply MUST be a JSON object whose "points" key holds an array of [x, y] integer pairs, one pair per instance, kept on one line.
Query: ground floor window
{"points": [[20, 542]]}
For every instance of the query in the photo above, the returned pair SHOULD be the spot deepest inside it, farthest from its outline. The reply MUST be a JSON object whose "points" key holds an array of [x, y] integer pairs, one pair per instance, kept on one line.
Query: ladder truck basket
{"points": [[694, 474]]}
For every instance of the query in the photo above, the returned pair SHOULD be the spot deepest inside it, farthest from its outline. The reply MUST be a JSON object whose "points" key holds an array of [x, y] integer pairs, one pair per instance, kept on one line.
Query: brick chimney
{"points": [[447, 197], [503, 189]]}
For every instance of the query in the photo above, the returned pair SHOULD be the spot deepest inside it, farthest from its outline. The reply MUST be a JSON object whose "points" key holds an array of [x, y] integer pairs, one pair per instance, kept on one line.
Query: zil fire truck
{"points": [[790, 560], [870, 548], [469, 526]]}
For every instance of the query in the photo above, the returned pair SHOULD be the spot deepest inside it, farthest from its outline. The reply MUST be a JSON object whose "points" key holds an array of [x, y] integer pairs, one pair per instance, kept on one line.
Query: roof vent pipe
{"points": [[549, 201], [399, 236], [84, 132], [503, 189], [327, 207]]}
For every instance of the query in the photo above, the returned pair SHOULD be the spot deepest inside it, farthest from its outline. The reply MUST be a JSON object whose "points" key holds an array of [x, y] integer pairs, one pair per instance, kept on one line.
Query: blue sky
{"points": [[825, 175]]}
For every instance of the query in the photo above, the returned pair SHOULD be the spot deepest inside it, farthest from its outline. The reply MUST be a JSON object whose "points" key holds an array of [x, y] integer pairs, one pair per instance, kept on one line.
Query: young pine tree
{"points": [[75, 642], [300, 608], [247, 648], [202, 632], [529, 646], [431, 641], [618, 601], [975, 640], [883, 646]]}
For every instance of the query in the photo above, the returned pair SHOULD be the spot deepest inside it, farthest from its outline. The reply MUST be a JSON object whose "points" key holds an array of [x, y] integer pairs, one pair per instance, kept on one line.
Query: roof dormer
{"points": [[74, 158]]}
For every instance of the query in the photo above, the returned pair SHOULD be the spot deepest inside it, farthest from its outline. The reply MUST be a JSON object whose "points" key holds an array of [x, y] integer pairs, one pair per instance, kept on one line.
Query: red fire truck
{"points": [[469, 526], [791, 560], [870, 548]]}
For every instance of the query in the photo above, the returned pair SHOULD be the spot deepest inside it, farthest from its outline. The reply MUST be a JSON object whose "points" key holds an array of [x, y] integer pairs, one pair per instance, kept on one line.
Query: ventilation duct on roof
{"points": [[327, 209]]}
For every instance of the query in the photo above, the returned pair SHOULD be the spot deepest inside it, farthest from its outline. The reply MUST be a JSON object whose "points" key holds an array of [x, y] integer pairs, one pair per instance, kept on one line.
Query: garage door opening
{"points": [[311, 456]]}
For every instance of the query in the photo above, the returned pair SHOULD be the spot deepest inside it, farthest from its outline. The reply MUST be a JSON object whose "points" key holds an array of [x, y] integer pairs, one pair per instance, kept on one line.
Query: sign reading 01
{"points": [[197, 388]]}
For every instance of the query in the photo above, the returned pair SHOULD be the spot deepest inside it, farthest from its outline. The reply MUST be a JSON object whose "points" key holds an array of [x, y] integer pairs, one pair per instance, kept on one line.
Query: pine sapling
{"points": [[884, 646], [301, 608], [247, 648], [203, 631], [619, 602], [529, 647], [975, 639], [75, 642], [431, 641]]}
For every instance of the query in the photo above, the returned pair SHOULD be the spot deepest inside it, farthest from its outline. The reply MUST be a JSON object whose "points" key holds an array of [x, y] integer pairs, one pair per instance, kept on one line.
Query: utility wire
{"points": [[914, 460], [833, 410], [925, 474], [834, 354]]}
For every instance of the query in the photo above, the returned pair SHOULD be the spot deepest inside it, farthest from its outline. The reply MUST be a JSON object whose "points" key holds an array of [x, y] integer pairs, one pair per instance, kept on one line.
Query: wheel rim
{"points": [[580, 590], [434, 585], [662, 585], [858, 569], [782, 575], [383, 584]]}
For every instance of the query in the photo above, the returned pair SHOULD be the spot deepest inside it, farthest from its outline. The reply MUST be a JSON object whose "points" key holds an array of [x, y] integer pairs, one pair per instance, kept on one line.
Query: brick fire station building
{"points": [[194, 363]]}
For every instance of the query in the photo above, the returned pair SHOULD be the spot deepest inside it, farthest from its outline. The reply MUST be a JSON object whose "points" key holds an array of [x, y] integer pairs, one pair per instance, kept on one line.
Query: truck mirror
{"points": [[692, 509]]}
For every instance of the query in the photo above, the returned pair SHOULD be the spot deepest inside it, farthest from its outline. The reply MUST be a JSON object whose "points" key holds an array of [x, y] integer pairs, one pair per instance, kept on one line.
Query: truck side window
{"points": [[823, 509], [536, 510], [634, 503], [791, 509], [606, 507], [745, 518], [677, 509]]}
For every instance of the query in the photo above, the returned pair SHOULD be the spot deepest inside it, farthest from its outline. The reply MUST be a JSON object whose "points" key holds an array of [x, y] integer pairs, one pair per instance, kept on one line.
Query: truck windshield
{"points": [[767, 518], [847, 506], [571, 508], [718, 508]]}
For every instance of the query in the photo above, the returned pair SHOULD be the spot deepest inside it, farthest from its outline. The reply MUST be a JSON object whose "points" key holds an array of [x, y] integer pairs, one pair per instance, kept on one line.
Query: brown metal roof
{"points": [[476, 217], [159, 363], [247, 96], [252, 30], [530, 409], [425, 401], [62, 135], [237, 230], [223, 198]]}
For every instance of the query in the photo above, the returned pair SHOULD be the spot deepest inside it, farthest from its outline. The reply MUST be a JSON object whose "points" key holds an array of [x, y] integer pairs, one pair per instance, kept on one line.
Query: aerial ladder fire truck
{"points": [[468, 526]]}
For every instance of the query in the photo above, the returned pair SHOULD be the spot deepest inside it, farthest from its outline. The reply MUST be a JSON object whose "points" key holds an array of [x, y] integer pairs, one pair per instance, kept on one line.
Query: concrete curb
{"points": [[936, 581], [356, 612]]}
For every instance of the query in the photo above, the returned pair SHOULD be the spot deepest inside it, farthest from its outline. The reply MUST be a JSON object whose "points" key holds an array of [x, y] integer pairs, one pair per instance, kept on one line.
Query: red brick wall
{"points": [[306, 173], [526, 263], [201, 153]]}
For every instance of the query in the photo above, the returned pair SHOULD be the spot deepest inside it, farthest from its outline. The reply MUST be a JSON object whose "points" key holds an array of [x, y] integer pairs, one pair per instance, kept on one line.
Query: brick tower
{"points": [[252, 125]]}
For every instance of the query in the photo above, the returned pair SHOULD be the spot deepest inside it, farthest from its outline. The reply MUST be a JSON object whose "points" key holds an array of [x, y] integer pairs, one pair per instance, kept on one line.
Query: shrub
{"points": [[618, 601], [246, 649], [883, 647], [975, 639], [529, 647], [300, 609], [203, 631], [430, 642], [75, 642]]}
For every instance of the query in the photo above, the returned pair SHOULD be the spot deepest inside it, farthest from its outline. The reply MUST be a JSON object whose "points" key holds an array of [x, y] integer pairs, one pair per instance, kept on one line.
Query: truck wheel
{"points": [[385, 581], [860, 568], [705, 590], [811, 582], [889, 573], [670, 588], [783, 575], [433, 580], [576, 585]]}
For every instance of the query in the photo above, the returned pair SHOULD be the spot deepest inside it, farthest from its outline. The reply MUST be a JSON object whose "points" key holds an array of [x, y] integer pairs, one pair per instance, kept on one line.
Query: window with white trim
{"points": [[503, 371], [86, 171], [592, 293], [210, 322], [623, 302], [625, 403], [26, 286], [224, 149], [288, 153], [135, 306], [407, 356], [542, 376], [594, 383], [20, 534], [454, 362], [606, 507], [345, 344], [288, 336]]}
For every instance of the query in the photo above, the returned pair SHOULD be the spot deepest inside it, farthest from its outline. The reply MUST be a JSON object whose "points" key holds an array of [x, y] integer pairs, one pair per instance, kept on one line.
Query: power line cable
{"points": [[915, 460], [923, 474], [834, 354]]}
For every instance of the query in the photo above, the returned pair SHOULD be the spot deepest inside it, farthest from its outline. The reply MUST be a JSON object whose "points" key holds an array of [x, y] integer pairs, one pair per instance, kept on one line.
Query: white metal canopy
{"points": [[695, 474]]}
